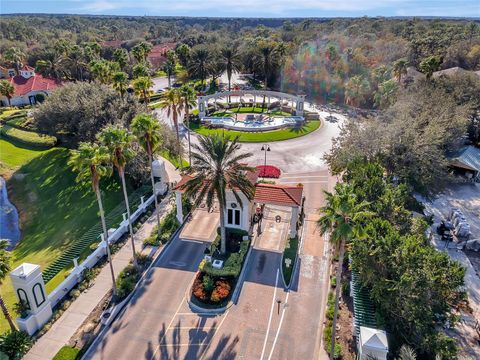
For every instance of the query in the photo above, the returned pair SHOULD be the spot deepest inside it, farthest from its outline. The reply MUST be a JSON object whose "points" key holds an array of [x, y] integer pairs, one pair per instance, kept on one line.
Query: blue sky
{"points": [[248, 8]]}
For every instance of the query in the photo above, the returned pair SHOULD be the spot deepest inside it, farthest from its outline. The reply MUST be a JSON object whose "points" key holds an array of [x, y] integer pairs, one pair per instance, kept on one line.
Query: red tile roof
{"points": [[35, 83], [278, 194]]}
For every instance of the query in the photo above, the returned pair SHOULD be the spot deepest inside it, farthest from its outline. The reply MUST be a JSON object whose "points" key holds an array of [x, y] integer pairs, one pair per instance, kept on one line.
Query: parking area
{"points": [[202, 225]]}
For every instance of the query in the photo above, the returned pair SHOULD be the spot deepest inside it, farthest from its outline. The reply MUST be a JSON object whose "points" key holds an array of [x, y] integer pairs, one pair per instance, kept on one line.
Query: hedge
{"points": [[27, 137], [67, 353], [231, 266]]}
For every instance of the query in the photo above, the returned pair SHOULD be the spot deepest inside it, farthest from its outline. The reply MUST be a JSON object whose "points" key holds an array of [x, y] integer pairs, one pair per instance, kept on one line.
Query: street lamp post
{"points": [[265, 148]]}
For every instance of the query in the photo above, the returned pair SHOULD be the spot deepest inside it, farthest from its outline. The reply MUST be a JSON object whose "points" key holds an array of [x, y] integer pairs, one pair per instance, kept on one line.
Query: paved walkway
{"points": [[63, 329]]}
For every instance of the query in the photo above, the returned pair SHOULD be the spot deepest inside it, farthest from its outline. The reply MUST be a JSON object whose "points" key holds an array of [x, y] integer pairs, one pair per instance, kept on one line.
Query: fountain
{"points": [[9, 227]]}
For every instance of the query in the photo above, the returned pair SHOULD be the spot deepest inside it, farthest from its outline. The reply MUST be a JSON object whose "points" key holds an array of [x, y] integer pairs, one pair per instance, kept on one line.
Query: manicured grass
{"points": [[54, 211], [174, 159], [13, 155], [67, 353], [265, 136], [290, 253], [29, 138]]}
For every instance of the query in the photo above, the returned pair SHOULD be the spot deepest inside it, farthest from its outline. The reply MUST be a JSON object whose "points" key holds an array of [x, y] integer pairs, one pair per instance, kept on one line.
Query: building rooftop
{"points": [[278, 194], [34, 83], [24, 270]]}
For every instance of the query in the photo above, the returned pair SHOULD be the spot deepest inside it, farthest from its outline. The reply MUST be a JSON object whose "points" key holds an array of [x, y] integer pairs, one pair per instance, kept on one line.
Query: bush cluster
{"points": [[232, 264], [211, 290], [327, 333], [167, 227]]}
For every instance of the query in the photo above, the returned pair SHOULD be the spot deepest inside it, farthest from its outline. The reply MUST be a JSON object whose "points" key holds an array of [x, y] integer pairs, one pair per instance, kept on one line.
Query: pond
{"points": [[9, 226]]}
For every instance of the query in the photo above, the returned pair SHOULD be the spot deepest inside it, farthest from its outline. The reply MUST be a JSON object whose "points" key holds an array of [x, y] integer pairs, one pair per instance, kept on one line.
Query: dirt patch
{"points": [[90, 328]]}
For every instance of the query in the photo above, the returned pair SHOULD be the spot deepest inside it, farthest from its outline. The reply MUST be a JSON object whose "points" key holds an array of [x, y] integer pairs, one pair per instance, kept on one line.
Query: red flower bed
{"points": [[269, 171]]}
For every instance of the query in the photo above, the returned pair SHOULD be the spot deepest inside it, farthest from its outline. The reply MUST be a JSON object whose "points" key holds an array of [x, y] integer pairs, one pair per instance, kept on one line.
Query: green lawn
{"points": [[54, 209], [13, 155], [264, 136], [174, 159], [290, 253]]}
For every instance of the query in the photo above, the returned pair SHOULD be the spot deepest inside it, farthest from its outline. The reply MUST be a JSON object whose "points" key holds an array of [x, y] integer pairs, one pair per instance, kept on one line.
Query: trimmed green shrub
{"points": [[126, 281], [67, 353], [231, 266], [15, 344], [28, 137]]}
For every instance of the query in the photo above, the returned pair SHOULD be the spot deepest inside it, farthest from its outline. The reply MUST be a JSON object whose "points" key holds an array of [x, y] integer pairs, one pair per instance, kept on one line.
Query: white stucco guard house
{"points": [[240, 216], [30, 289], [373, 344]]}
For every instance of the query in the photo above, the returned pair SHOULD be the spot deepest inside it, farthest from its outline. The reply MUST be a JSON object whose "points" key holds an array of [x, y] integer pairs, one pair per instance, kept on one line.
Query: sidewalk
{"points": [[63, 329]]}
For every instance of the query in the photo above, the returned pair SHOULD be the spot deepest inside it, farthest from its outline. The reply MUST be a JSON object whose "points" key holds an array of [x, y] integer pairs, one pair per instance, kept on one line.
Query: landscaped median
{"points": [[213, 287], [289, 259]]}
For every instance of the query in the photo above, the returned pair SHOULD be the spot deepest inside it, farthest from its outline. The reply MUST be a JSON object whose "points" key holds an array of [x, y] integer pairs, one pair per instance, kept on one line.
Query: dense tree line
{"points": [[416, 289]]}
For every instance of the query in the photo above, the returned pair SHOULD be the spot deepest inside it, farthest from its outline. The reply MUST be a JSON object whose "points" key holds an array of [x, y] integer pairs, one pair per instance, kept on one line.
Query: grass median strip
{"points": [[289, 257]]}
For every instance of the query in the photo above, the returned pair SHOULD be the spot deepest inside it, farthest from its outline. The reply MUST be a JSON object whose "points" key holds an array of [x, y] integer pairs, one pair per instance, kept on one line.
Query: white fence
{"points": [[113, 236]]}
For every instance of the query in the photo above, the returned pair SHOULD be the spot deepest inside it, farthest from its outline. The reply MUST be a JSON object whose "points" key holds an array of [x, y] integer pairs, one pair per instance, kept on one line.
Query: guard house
{"points": [[240, 217]]}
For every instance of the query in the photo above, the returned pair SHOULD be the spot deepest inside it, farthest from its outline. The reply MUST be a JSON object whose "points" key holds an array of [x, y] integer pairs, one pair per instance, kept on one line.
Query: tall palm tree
{"points": [[7, 89], [140, 70], [341, 216], [169, 66], [218, 166], [119, 141], [200, 63], [172, 102], [4, 270], [266, 58], [92, 162], [77, 59], [52, 65], [189, 98], [101, 70], [142, 87], [231, 62], [147, 131], [15, 56], [121, 57], [120, 82], [400, 69], [386, 94]]}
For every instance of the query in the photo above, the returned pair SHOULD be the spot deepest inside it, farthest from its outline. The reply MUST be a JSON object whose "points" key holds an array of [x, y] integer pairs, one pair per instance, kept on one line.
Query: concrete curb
{"points": [[121, 307]]}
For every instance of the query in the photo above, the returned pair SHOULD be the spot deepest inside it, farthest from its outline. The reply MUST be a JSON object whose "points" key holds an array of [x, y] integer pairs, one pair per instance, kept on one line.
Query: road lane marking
{"points": [[279, 327], [270, 318], [215, 333], [168, 327]]}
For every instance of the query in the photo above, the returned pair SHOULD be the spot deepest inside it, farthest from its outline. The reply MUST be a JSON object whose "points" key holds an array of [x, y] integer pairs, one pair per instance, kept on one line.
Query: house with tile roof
{"points": [[240, 216], [27, 85]]}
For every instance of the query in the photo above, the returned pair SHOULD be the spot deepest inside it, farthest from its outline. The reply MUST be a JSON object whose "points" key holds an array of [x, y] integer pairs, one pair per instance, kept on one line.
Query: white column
{"points": [[293, 222], [178, 202], [201, 107]]}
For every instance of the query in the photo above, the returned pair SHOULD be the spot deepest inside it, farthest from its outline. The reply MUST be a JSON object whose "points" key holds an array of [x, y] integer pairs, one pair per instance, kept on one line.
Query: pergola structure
{"points": [[297, 101]]}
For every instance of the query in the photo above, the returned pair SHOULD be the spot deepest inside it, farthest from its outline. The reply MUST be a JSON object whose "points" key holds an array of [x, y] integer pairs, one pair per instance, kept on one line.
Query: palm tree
{"points": [[430, 64], [217, 165], [200, 63], [91, 161], [120, 82], [189, 98], [407, 353], [400, 69], [169, 66], [172, 102], [142, 87], [15, 56], [52, 65], [7, 89], [121, 57], [386, 94], [231, 63], [4, 270], [341, 216], [267, 62], [119, 141], [356, 89], [140, 70], [147, 131], [76, 58], [101, 71]]}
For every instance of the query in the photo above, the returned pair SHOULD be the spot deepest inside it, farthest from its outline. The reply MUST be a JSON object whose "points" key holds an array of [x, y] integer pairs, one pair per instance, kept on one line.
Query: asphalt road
{"points": [[268, 321]]}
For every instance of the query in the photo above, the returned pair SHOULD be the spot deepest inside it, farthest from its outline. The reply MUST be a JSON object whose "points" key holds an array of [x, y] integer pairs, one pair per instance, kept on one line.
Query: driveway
{"points": [[201, 226], [274, 233]]}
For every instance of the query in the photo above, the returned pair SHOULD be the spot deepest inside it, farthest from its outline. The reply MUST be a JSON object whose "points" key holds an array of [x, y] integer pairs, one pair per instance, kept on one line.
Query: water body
{"points": [[9, 226]]}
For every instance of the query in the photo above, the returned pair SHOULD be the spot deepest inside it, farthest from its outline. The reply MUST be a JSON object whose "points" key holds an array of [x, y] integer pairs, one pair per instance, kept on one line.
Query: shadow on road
{"points": [[191, 343]]}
